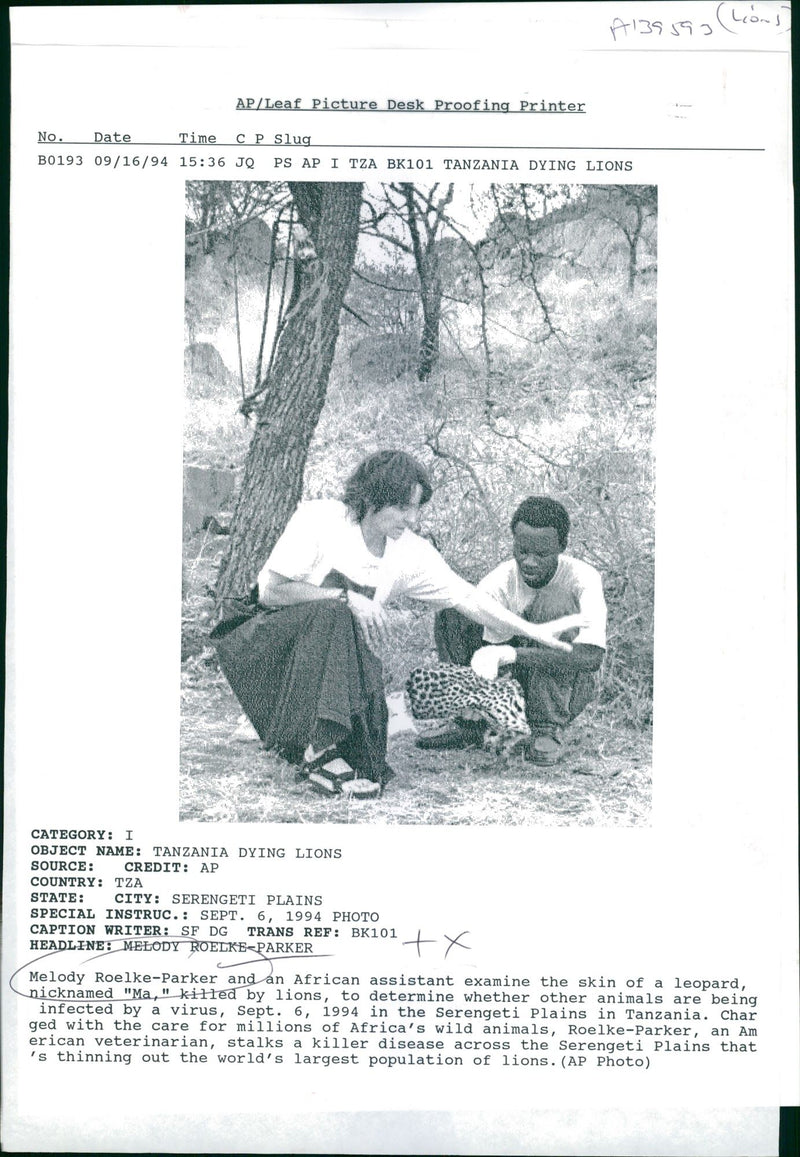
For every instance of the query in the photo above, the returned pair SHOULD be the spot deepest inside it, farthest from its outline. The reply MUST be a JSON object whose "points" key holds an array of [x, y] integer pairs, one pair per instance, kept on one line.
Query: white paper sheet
{"points": [[696, 97]]}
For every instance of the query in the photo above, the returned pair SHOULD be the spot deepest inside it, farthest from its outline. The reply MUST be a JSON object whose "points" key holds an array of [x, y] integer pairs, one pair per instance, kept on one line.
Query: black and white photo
{"points": [[418, 425]]}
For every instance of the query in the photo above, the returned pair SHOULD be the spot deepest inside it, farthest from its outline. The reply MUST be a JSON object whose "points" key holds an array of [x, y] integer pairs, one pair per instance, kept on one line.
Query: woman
{"points": [[301, 660]]}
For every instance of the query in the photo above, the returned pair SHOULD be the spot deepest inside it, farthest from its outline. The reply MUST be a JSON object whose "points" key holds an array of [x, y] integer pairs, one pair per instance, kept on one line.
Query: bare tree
{"points": [[221, 209], [630, 208], [423, 216]]}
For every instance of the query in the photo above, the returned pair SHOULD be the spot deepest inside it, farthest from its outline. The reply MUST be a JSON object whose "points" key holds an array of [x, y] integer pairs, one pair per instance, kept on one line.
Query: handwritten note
{"points": [[725, 19]]}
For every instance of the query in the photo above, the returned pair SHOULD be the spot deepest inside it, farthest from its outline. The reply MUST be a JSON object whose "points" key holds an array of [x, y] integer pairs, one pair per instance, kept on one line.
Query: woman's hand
{"points": [[547, 633], [371, 616]]}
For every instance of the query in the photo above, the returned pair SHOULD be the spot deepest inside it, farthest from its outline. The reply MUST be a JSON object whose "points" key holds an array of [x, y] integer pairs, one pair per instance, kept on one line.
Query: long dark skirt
{"points": [[293, 667]]}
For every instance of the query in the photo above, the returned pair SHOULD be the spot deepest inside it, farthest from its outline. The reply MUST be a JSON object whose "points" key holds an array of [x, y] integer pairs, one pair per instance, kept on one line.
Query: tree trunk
{"points": [[633, 243], [431, 293], [273, 472], [427, 217]]}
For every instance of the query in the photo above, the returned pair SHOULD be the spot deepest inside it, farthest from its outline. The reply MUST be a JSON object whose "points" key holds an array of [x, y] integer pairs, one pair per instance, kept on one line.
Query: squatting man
{"points": [[540, 583]]}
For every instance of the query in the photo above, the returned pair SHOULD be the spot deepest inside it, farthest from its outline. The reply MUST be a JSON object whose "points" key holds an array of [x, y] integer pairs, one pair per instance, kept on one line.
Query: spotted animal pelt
{"points": [[446, 691]]}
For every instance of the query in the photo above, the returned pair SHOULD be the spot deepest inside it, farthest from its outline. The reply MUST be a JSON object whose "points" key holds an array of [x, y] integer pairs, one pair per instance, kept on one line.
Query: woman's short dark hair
{"points": [[387, 478], [542, 512]]}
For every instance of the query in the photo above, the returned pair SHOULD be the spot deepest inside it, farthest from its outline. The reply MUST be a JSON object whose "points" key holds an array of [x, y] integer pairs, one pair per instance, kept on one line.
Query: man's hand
{"points": [[487, 661], [372, 617]]}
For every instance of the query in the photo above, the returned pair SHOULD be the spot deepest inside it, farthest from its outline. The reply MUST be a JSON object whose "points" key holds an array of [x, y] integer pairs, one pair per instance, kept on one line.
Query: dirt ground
{"points": [[603, 778], [227, 776]]}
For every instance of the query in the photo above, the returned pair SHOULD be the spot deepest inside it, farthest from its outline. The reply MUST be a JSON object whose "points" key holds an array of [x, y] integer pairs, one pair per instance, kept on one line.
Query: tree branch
{"points": [[380, 284], [491, 422], [433, 444]]}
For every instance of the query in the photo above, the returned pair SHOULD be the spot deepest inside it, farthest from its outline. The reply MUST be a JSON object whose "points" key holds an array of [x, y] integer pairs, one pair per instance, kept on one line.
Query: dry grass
{"points": [[227, 776], [214, 432], [603, 779]]}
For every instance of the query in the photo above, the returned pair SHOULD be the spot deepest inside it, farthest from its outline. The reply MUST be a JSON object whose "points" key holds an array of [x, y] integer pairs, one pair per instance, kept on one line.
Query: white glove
{"points": [[487, 660]]}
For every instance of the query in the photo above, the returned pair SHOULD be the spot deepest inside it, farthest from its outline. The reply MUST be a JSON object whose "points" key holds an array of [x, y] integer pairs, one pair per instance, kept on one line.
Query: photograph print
{"points": [[418, 549]]}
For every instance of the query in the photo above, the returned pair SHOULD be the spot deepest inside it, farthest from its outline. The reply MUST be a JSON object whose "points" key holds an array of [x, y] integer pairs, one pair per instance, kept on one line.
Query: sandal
{"points": [[544, 750], [328, 778], [312, 760], [337, 777], [361, 789]]}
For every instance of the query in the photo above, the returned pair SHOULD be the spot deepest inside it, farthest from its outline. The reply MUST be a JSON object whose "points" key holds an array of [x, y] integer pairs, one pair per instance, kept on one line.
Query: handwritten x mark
{"points": [[456, 942]]}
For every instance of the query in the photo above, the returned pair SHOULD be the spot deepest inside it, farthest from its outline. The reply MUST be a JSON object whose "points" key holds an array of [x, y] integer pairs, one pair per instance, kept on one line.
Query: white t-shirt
{"points": [[322, 535], [576, 578]]}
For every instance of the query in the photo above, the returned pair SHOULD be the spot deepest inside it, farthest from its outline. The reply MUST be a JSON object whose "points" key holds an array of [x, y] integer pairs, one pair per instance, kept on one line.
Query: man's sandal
{"points": [[545, 750]]}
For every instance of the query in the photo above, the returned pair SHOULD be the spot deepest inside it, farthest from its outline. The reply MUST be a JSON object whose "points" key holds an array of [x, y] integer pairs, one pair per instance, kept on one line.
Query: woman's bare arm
{"points": [[483, 609], [275, 590]]}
